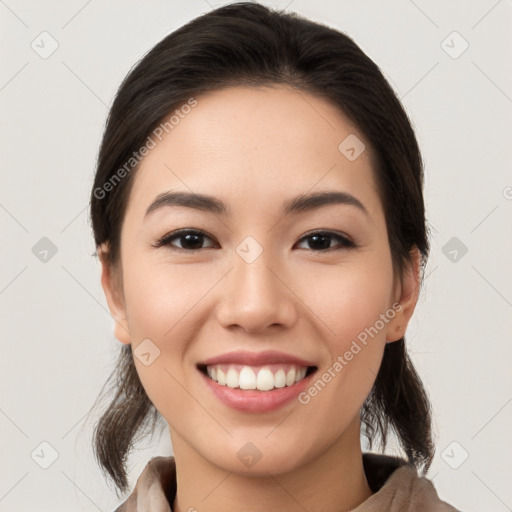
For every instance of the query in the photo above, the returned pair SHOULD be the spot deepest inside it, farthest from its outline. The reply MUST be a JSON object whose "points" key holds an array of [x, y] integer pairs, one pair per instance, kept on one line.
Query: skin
{"points": [[254, 148]]}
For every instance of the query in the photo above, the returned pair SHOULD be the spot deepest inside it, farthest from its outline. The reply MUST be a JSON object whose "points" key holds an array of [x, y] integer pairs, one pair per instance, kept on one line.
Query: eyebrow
{"points": [[302, 203]]}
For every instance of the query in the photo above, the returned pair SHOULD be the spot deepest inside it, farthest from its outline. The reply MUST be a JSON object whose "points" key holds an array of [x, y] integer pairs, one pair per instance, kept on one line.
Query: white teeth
{"points": [[247, 378], [290, 377], [261, 379], [265, 380], [280, 379], [232, 378]]}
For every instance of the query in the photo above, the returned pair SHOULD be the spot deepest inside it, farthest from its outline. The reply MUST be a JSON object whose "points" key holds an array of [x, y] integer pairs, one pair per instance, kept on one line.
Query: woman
{"points": [[259, 218]]}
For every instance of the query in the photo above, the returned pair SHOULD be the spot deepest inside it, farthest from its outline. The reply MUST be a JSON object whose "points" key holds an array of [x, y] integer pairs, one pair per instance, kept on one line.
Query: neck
{"points": [[334, 481]]}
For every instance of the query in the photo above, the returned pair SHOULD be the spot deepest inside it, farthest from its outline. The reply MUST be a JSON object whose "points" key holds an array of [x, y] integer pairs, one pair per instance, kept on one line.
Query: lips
{"points": [[266, 357], [263, 378], [256, 382]]}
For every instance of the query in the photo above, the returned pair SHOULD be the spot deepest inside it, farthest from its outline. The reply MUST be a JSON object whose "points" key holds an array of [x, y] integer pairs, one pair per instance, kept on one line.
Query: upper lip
{"points": [[256, 358]]}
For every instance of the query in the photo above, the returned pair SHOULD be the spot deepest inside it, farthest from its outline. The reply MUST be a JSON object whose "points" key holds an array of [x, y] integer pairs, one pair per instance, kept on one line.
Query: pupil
{"points": [[324, 241], [193, 241]]}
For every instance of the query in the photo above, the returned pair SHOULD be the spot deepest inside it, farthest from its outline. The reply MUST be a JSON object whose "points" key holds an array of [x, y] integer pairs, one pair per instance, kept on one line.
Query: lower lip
{"points": [[255, 400]]}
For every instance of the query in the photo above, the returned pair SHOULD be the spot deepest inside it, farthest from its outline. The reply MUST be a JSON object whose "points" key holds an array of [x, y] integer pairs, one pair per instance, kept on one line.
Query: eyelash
{"points": [[166, 240]]}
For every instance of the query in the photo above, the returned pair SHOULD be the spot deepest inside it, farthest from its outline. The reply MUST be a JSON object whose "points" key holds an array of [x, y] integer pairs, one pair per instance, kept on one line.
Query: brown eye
{"points": [[187, 240], [321, 241]]}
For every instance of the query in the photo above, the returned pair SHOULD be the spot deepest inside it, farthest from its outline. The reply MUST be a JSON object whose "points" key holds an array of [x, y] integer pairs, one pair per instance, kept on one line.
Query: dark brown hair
{"points": [[247, 44]]}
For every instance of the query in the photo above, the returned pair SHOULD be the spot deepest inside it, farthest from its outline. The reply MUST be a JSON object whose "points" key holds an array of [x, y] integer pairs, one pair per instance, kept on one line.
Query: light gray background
{"points": [[57, 344]]}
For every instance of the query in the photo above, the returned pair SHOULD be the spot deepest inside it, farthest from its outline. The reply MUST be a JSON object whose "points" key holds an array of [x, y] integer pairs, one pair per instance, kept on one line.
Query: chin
{"points": [[257, 458]]}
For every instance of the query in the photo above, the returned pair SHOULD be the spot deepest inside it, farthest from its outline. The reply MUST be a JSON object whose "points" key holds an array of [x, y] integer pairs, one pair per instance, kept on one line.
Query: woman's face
{"points": [[258, 282]]}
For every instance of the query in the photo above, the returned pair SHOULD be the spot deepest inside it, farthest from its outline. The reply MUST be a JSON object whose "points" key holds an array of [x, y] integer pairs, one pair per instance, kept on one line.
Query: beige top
{"points": [[396, 485]]}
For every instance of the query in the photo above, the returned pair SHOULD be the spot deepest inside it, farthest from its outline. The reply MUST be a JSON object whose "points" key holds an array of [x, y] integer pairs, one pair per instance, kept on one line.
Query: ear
{"points": [[406, 296], [112, 287]]}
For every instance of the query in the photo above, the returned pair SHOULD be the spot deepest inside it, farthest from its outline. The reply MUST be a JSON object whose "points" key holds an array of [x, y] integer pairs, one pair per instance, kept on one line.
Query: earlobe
{"points": [[113, 294], [407, 298]]}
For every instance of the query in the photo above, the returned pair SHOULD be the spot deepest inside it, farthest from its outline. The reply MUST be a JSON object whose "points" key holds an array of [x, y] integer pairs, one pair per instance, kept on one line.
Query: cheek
{"points": [[160, 296], [162, 301], [355, 346], [347, 299]]}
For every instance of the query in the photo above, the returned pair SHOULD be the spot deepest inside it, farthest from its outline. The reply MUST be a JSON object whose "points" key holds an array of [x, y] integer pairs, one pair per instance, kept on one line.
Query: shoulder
{"points": [[397, 487], [155, 487]]}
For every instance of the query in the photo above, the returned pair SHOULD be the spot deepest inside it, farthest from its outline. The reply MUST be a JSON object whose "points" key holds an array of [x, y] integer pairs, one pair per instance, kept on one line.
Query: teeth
{"points": [[262, 379], [290, 377], [280, 379], [232, 378], [265, 380], [247, 378], [221, 378]]}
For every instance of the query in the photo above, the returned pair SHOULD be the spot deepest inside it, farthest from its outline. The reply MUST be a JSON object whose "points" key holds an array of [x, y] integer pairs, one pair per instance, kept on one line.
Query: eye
{"points": [[189, 240], [321, 241], [193, 239]]}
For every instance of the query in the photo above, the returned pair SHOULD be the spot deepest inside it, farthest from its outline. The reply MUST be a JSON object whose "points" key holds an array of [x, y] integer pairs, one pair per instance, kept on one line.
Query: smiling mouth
{"points": [[261, 378]]}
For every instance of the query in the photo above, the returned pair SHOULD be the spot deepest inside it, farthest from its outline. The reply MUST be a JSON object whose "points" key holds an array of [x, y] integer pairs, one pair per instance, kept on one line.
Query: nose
{"points": [[256, 296]]}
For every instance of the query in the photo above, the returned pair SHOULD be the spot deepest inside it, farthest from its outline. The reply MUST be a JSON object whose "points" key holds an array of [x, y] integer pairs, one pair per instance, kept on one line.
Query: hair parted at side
{"points": [[248, 44]]}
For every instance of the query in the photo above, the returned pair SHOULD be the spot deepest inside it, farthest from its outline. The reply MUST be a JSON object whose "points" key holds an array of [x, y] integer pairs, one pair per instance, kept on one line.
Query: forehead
{"points": [[265, 142]]}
